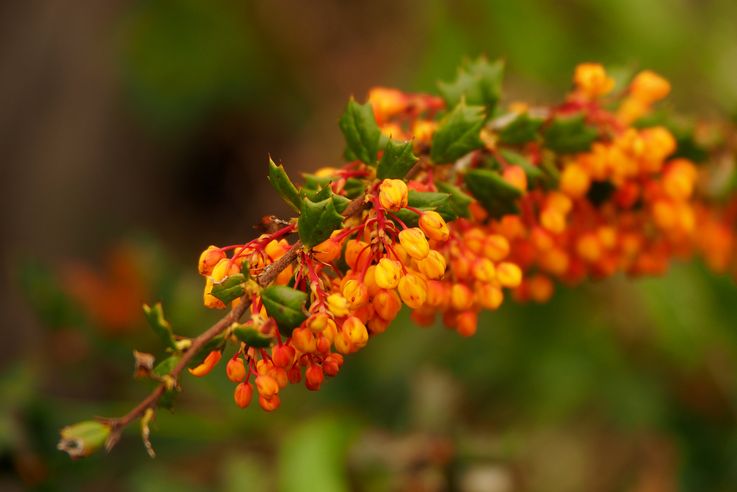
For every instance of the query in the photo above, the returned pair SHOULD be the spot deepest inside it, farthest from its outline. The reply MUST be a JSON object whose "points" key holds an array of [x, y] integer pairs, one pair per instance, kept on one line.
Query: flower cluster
{"points": [[446, 204], [454, 210]]}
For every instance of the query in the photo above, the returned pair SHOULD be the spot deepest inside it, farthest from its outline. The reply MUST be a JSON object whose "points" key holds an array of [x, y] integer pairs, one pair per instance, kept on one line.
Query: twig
{"points": [[267, 276]]}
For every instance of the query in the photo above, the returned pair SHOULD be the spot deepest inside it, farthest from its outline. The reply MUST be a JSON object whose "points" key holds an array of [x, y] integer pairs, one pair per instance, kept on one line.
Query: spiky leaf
{"points": [[360, 131], [496, 195], [522, 129], [159, 324], [284, 186], [231, 287], [317, 221], [397, 160], [478, 82], [285, 305], [569, 134], [458, 133]]}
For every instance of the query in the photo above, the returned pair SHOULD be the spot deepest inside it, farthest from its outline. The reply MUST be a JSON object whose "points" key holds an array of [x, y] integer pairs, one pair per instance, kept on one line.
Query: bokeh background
{"points": [[135, 133]]}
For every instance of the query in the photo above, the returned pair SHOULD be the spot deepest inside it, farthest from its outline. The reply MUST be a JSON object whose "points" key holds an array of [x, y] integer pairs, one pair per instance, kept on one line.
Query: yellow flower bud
{"points": [[207, 365], [592, 80], [461, 297], [393, 194], [484, 270], [414, 242], [574, 181], [356, 332], [489, 296], [433, 267], [508, 274], [434, 226], [387, 273], [496, 247], [413, 290], [387, 304], [648, 87], [356, 293], [337, 304], [209, 258]]}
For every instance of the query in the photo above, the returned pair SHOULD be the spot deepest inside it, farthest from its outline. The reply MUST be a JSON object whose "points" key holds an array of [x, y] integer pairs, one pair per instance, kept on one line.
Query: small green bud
{"points": [[84, 438]]}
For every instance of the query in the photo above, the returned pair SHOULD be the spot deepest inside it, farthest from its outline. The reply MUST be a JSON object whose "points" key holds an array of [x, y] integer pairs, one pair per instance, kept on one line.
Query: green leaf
{"points": [[155, 317], [496, 195], [230, 287], [317, 221], [520, 130], [313, 182], [165, 366], [354, 187], [459, 199], [252, 336], [570, 134], [427, 200], [360, 131], [397, 160], [286, 305], [284, 186], [478, 82], [458, 133]]}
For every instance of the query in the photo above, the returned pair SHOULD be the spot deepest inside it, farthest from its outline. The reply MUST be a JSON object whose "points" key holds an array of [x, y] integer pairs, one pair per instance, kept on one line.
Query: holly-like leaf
{"points": [[427, 200], [317, 221], [478, 82], [252, 336], [354, 187], [496, 195], [314, 182], [459, 199], [286, 306], [284, 186], [458, 133], [520, 130], [161, 370], [397, 160], [360, 131], [159, 324], [231, 287], [569, 134]]}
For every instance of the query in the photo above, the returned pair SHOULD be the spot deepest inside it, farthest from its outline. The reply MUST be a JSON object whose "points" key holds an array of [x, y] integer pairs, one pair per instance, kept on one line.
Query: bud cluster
{"points": [[458, 210]]}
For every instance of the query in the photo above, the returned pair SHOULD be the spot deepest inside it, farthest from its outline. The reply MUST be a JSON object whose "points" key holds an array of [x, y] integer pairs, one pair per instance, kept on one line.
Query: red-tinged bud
{"points": [[329, 249], [387, 102], [356, 293], [356, 331], [209, 258], [264, 366], [466, 323], [313, 377], [413, 290], [422, 319], [267, 386], [236, 370], [330, 368], [370, 280], [207, 365], [553, 220], [489, 296], [496, 247], [243, 394], [317, 322], [294, 374], [269, 404], [343, 343], [387, 273], [387, 304], [473, 239], [283, 355], [280, 376], [357, 254], [393, 194], [304, 340], [377, 325], [323, 344], [434, 226], [414, 242]]}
